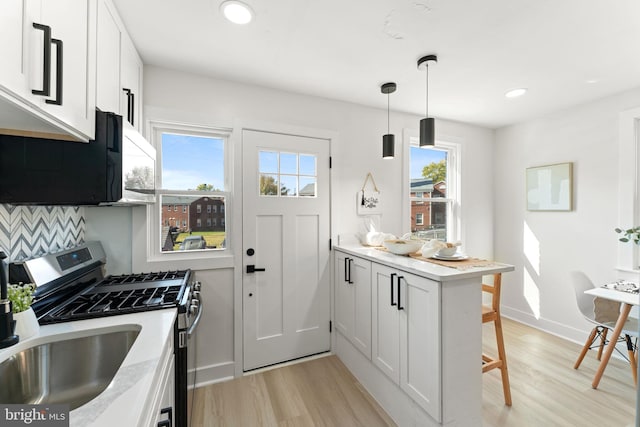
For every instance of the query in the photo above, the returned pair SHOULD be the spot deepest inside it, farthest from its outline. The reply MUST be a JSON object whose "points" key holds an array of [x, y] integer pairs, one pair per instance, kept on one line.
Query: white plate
{"points": [[456, 257]]}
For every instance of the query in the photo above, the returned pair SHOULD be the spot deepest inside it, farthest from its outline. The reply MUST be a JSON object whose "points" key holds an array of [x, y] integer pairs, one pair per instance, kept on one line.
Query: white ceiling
{"points": [[345, 49]]}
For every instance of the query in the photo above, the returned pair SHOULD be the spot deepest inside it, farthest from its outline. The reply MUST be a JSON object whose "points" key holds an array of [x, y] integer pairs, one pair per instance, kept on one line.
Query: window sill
{"points": [[194, 261]]}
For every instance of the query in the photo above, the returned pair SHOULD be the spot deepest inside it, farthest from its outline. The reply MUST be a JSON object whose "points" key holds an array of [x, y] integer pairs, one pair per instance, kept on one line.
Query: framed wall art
{"points": [[550, 188]]}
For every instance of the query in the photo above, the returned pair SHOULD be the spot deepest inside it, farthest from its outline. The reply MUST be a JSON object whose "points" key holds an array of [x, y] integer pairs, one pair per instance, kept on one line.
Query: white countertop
{"points": [[422, 268], [128, 398]]}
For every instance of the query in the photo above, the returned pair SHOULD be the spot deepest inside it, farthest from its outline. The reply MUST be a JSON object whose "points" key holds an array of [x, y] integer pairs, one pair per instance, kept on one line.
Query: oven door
{"points": [[189, 315]]}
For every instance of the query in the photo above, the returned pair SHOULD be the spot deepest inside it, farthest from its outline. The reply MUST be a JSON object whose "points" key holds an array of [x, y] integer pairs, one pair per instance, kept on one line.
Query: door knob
{"points": [[252, 268]]}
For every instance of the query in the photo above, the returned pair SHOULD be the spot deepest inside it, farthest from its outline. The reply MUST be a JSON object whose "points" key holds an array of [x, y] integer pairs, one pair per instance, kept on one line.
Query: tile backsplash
{"points": [[28, 231]]}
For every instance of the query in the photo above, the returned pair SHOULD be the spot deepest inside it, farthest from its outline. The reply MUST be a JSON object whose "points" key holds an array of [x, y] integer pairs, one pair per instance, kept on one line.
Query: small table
{"points": [[627, 300]]}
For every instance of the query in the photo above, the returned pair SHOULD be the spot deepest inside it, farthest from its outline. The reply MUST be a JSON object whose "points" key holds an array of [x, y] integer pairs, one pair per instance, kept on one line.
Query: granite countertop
{"points": [[128, 399], [421, 268]]}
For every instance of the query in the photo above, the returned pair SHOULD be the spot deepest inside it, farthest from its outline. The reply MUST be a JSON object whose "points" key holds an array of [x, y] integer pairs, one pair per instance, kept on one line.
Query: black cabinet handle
{"points": [[129, 105], [392, 276], [133, 97], [46, 62], [59, 71], [399, 305], [169, 421], [350, 264]]}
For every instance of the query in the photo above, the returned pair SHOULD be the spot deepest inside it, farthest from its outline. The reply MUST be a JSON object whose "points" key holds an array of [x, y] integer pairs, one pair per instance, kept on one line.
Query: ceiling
{"points": [[565, 52]]}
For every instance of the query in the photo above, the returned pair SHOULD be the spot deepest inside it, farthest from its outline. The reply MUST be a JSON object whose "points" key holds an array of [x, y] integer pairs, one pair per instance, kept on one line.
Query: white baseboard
{"points": [[212, 374], [569, 333]]}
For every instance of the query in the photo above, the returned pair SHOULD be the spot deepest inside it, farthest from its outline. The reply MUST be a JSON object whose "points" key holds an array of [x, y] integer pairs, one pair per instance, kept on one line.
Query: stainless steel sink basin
{"points": [[71, 371]]}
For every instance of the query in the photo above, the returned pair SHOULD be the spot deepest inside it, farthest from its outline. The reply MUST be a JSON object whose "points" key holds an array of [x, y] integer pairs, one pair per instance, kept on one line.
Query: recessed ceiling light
{"points": [[236, 12], [592, 81], [514, 93]]}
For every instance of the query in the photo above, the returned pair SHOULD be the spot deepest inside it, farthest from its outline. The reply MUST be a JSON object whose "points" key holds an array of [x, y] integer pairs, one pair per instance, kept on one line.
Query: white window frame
{"points": [[155, 129], [629, 190], [421, 216], [454, 155]]}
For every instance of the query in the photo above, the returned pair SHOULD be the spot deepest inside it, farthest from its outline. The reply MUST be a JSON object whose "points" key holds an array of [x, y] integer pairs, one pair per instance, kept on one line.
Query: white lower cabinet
{"points": [[165, 414], [406, 334], [353, 300]]}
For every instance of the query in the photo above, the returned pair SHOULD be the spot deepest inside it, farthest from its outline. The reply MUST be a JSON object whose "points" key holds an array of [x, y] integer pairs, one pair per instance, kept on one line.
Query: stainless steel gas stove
{"points": [[71, 286]]}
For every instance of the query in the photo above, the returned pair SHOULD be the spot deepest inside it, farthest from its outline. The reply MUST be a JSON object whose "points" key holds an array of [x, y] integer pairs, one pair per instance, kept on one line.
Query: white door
{"points": [[286, 232]]}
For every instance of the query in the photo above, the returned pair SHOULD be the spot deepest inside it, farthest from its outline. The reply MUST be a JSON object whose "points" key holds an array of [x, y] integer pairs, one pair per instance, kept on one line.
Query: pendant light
{"points": [[388, 140], [427, 125]]}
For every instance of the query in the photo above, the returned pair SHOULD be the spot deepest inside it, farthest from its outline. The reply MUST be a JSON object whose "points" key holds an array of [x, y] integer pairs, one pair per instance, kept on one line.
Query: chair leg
{"points": [[506, 388], [632, 358], [586, 347]]}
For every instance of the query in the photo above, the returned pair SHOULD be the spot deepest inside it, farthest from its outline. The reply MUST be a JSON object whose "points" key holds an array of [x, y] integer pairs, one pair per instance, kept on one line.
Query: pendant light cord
{"points": [[387, 113], [427, 91]]}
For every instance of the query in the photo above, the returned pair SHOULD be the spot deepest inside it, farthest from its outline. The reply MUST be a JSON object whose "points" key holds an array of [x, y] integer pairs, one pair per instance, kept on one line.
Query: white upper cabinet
{"points": [[48, 84], [119, 74], [14, 79]]}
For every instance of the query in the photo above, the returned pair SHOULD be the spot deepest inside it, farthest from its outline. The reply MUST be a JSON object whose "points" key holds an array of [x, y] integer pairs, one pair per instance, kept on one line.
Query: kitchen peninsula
{"points": [[410, 332]]}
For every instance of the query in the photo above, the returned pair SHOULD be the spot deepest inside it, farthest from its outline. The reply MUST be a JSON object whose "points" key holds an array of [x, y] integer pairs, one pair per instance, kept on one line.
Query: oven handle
{"points": [[197, 320]]}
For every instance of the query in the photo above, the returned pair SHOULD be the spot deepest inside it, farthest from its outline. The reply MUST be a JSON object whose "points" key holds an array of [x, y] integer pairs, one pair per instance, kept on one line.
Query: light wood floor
{"points": [[320, 392], [545, 388]]}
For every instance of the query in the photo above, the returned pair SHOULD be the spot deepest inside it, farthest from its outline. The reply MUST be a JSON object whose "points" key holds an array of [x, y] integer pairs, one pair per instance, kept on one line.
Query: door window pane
{"points": [[268, 162], [289, 163], [307, 186], [268, 185], [288, 185], [307, 165]]}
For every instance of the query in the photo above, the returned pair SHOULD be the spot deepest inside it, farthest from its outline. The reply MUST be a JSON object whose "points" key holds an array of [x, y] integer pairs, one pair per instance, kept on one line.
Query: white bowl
{"points": [[403, 247], [447, 251]]}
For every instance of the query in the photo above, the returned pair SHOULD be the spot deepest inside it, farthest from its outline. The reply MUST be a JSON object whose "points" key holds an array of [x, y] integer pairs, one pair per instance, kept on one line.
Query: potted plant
{"points": [[21, 297]]}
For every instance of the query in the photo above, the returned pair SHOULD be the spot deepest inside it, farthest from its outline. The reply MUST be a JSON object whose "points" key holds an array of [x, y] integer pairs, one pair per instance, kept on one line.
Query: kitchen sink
{"points": [[70, 371]]}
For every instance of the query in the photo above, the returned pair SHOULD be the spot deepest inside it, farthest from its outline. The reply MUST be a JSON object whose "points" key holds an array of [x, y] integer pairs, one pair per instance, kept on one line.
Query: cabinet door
{"points": [[167, 399], [72, 22], [13, 72], [360, 270], [108, 91], [420, 341], [385, 330], [343, 295], [131, 71]]}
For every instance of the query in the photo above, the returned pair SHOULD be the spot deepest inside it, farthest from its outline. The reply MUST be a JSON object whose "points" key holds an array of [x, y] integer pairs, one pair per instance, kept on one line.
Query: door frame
{"points": [[238, 177]]}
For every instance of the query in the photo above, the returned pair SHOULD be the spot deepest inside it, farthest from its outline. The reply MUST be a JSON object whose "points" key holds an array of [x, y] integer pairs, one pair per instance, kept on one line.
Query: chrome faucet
{"points": [[7, 324]]}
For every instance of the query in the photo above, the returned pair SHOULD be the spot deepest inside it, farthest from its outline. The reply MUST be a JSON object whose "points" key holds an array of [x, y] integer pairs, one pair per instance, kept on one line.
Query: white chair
{"points": [[603, 314]]}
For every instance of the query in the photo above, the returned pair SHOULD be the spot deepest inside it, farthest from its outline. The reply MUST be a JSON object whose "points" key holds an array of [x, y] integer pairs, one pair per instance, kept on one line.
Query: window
{"points": [[214, 208], [287, 174], [432, 191], [192, 173]]}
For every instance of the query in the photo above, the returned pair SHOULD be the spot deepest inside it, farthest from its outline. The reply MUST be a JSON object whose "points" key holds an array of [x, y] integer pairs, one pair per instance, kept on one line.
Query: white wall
{"points": [[539, 291], [176, 96]]}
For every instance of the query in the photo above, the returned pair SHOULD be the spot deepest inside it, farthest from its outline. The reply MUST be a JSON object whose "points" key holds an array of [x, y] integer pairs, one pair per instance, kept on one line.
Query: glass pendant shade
{"points": [[388, 146], [427, 131]]}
